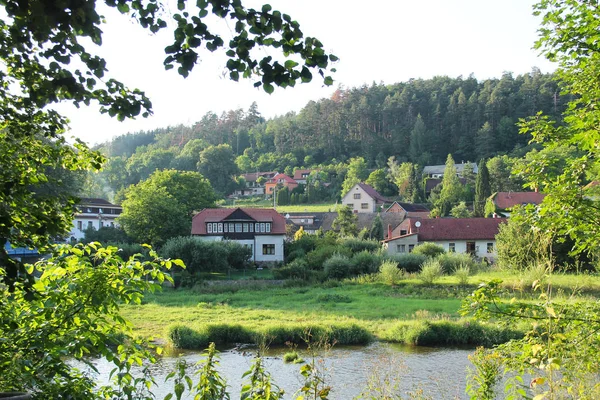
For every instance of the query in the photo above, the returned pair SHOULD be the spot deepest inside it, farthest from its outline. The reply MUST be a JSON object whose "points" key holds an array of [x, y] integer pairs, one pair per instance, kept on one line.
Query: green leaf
{"points": [[268, 88]]}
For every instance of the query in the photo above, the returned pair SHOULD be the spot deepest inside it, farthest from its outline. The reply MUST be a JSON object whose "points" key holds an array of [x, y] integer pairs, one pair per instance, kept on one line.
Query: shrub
{"points": [[358, 245], [298, 270], [409, 262], [431, 271], [452, 261], [429, 249], [389, 272], [292, 356], [365, 262], [126, 250], [337, 267], [317, 257], [462, 274], [238, 256]]}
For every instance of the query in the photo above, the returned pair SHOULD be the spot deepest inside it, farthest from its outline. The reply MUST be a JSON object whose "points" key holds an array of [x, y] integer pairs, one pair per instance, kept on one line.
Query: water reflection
{"points": [[439, 373]]}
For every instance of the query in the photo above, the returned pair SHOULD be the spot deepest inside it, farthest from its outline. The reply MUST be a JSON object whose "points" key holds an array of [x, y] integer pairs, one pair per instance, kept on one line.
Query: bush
{"points": [[429, 249], [389, 272], [431, 271], [462, 274], [452, 261], [298, 269], [365, 262], [317, 257], [337, 267], [292, 356], [358, 245], [126, 250], [409, 262]]}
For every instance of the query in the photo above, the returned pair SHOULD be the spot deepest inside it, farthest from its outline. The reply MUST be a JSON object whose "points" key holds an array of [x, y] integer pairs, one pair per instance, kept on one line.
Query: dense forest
{"points": [[419, 121]]}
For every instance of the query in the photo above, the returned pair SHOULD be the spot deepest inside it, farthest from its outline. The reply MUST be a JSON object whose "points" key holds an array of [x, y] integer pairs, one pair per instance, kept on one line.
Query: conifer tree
{"points": [[482, 189], [451, 188]]}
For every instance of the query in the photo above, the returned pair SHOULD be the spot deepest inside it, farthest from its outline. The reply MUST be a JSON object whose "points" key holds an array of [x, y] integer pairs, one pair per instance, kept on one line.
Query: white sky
{"points": [[385, 41]]}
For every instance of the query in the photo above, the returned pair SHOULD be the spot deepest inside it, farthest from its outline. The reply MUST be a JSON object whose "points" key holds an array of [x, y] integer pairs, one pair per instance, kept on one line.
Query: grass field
{"points": [[320, 207]]}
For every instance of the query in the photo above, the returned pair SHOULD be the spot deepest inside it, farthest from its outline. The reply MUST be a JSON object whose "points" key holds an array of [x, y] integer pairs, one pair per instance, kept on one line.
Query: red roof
{"points": [[253, 176], [435, 229], [299, 172], [286, 178], [255, 214], [506, 200], [373, 193]]}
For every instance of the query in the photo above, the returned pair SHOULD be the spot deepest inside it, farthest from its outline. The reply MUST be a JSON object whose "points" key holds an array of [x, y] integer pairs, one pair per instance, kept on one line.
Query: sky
{"points": [[385, 41]]}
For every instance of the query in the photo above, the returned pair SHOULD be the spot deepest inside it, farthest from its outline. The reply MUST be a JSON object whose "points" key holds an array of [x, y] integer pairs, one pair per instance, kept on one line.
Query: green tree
{"points": [[377, 231], [162, 206], [217, 164], [345, 222], [419, 142], [485, 143], [460, 210], [452, 189], [378, 180], [482, 189], [357, 172]]}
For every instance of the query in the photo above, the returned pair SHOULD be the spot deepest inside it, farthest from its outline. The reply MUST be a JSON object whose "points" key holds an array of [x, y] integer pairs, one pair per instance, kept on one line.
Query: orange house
{"points": [[280, 179]]}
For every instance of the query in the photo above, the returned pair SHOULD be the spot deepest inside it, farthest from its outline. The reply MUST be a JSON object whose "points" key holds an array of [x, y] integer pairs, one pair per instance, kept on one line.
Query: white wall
{"points": [[85, 219], [460, 246], [349, 199], [257, 246]]}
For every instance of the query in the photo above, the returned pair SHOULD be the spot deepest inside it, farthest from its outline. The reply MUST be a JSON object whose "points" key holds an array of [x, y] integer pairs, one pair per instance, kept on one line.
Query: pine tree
{"points": [[452, 189], [377, 228], [482, 189]]}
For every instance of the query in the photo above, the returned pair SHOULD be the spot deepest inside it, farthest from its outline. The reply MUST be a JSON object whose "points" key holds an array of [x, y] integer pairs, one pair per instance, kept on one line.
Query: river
{"points": [[439, 372]]}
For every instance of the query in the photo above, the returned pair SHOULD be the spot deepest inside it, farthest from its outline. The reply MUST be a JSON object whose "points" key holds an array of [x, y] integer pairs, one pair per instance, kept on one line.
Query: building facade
{"points": [[362, 198], [93, 213], [263, 230]]}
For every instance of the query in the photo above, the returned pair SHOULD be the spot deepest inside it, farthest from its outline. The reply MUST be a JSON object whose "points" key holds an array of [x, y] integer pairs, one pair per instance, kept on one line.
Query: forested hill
{"points": [[420, 121]]}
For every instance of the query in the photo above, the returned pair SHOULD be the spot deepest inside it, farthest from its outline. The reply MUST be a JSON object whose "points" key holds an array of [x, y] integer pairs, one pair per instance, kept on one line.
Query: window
{"points": [[357, 196], [209, 228], [364, 206], [403, 232], [245, 227], [490, 248], [79, 225], [262, 227], [90, 224], [251, 227], [350, 205], [112, 224], [257, 227], [268, 249], [451, 247], [238, 227], [268, 227], [220, 226], [411, 247], [225, 228], [231, 230], [101, 224], [401, 248]]}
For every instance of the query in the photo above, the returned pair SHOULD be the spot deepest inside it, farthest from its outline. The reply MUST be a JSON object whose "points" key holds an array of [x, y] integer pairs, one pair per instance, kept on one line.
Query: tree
{"points": [[460, 210], [482, 189], [345, 222], [419, 142], [217, 164], [485, 143], [162, 206], [357, 172], [378, 180], [452, 190], [377, 228]]}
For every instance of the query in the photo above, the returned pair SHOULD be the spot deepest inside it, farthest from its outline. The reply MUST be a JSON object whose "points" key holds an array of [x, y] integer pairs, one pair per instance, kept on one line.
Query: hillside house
{"points": [[362, 198], [263, 230], [437, 171], [301, 175], [408, 210], [475, 236], [280, 180], [253, 187], [93, 213], [505, 201]]}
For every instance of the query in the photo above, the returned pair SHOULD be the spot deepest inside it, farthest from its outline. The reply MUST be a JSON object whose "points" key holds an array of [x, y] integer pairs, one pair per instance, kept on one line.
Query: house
{"points": [[301, 175], [505, 201], [409, 210], [313, 221], [362, 198], [475, 236], [437, 171], [93, 213], [263, 230], [310, 222], [253, 187], [432, 183], [280, 180]]}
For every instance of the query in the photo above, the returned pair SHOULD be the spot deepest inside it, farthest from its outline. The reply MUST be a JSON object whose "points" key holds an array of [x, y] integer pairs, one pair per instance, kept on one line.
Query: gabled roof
{"points": [[374, 194], [253, 176], [507, 200], [286, 178], [299, 172], [95, 202], [238, 214], [409, 207], [435, 229]]}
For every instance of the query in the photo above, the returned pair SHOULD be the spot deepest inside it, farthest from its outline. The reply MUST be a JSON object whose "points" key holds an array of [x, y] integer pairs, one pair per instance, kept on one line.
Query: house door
{"points": [[471, 248]]}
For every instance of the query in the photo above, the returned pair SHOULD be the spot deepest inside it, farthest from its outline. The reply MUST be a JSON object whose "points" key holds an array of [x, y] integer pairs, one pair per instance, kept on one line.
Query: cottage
{"points": [[505, 201], [475, 236], [253, 185], [437, 171], [301, 175], [408, 210], [362, 198], [93, 213], [263, 230], [280, 180]]}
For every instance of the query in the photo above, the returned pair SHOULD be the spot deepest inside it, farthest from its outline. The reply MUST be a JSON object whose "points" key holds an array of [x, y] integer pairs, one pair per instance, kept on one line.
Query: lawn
{"points": [[320, 207]]}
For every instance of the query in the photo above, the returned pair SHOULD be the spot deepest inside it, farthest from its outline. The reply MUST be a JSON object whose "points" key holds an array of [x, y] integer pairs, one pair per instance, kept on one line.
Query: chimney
{"points": [[536, 189], [389, 235]]}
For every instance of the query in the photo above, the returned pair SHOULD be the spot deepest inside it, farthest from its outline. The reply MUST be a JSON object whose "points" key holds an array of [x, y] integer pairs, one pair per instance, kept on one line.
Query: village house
{"points": [[93, 213], [408, 210], [253, 185], [280, 180], [362, 198], [505, 201], [301, 175], [437, 171], [475, 236], [263, 230]]}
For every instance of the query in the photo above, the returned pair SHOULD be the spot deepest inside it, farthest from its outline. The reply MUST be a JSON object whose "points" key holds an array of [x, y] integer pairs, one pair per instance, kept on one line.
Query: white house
{"points": [[253, 187], [437, 171], [263, 230], [362, 198], [93, 213], [476, 236]]}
